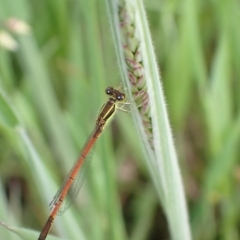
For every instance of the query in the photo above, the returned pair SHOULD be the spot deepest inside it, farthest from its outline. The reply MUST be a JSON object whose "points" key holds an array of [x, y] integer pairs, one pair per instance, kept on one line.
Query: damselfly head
{"points": [[117, 95]]}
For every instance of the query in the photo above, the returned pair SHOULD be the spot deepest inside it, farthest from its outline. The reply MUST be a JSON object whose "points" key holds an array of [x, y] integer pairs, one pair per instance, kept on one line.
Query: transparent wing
{"points": [[75, 187]]}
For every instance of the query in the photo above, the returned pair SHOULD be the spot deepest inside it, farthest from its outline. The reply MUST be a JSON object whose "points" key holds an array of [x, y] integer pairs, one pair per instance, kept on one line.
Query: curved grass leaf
{"points": [[7, 114], [140, 74], [26, 234]]}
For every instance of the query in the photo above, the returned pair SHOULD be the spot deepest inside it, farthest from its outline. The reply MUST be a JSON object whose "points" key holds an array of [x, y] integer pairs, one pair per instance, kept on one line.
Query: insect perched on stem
{"points": [[73, 182]]}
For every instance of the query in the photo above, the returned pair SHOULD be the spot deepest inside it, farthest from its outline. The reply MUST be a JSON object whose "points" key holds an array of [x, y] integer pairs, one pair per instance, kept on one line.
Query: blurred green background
{"points": [[54, 81]]}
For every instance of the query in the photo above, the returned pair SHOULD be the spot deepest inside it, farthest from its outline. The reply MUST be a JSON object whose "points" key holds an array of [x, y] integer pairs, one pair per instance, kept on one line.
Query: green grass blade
{"points": [[140, 64], [7, 114], [26, 234]]}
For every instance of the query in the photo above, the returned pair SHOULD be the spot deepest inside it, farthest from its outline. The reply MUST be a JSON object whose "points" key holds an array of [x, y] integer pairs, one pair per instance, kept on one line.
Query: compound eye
{"points": [[121, 97], [108, 91]]}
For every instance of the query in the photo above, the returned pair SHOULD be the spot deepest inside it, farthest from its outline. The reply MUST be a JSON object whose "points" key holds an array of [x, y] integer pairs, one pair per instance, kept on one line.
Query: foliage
{"points": [[52, 80]]}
